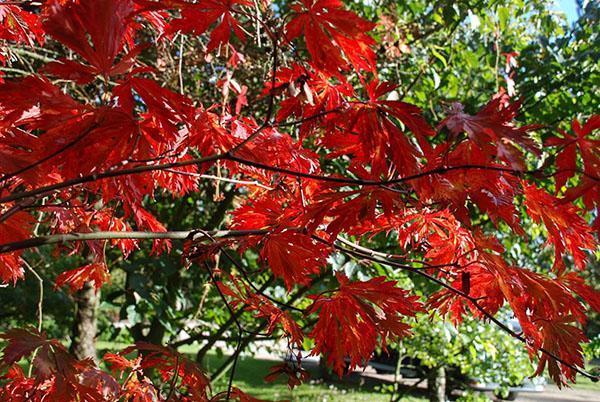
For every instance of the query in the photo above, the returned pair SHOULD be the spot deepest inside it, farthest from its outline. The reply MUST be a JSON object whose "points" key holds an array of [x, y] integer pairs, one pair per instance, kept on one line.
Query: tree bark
{"points": [[83, 344], [436, 384]]}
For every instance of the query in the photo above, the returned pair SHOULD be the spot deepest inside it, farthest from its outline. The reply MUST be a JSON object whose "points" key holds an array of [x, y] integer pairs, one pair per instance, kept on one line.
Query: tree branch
{"points": [[227, 156], [106, 175], [193, 235]]}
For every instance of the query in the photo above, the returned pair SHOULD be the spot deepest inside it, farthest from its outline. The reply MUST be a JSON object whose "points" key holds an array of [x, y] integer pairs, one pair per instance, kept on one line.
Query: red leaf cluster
{"points": [[335, 38], [566, 229], [72, 163], [250, 300], [358, 317]]}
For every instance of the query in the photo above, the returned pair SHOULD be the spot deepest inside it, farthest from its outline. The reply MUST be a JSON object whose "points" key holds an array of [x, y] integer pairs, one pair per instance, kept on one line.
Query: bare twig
{"points": [[232, 313], [271, 105], [289, 172], [224, 179], [180, 64], [40, 304], [174, 379]]}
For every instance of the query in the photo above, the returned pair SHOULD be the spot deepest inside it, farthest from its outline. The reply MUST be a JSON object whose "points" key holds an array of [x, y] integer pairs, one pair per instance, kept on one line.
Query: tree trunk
{"points": [[83, 344], [436, 384]]}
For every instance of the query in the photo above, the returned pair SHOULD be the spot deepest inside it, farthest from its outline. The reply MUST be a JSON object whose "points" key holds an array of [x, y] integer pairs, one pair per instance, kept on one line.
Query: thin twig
{"points": [[40, 307], [271, 105], [224, 179], [180, 64], [46, 158], [106, 175], [174, 379], [237, 323], [289, 172], [40, 303], [253, 286]]}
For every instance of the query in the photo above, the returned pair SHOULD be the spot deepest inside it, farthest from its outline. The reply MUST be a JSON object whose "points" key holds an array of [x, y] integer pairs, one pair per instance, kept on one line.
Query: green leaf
{"points": [[439, 56], [503, 17]]}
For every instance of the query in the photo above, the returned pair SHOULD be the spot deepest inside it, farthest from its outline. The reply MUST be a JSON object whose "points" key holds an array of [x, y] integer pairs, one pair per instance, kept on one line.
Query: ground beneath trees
{"points": [[552, 393]]}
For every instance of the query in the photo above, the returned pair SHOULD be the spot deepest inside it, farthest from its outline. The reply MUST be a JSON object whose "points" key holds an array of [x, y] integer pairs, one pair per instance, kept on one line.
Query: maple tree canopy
{"points": [[89, 168]]}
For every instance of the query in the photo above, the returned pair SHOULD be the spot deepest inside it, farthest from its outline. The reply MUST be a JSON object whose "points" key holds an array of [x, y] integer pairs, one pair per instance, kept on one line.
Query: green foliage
{"points": [[592, 349], [479, 351]]}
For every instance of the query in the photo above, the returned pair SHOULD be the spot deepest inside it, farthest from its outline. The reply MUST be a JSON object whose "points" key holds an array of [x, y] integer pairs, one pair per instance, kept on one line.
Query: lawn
{"points": [[250, 373], [586, 383]]}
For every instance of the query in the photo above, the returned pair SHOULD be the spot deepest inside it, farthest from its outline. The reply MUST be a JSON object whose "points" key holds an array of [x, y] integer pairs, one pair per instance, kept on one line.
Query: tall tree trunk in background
{"points": [[436, 384], [83, 337]]}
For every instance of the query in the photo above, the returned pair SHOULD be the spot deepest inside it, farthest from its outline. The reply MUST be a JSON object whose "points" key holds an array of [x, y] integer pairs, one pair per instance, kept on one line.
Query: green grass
{"points": [[249, 378], [250, 374], [587, 384]]}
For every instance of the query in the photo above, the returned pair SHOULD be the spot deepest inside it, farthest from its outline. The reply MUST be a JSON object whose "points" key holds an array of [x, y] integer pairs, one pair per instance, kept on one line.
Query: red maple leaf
{"points": [[368, 132], [353, 212], [580, 142], [566, 229], [493, 130], [547, 311], [21, 343], [169, 364], [577, 284], [19, 388], [279, 148], [310, 93], [197, 18], [358, 316], [56, 135], [96, 30], [11, 267], [438, 234], [20, 26], [293, 256], [295, 374], [589, 192], [563, 339], [120, 363], [262, 307], [63, 129], [334, 37], [489, 188], [63, 377], [477, 281], [16, 227], [96, 272], [140, 389]]}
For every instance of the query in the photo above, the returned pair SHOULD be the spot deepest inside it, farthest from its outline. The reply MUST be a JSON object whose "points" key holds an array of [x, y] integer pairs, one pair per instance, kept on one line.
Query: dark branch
{"points": [[46, 190]]}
